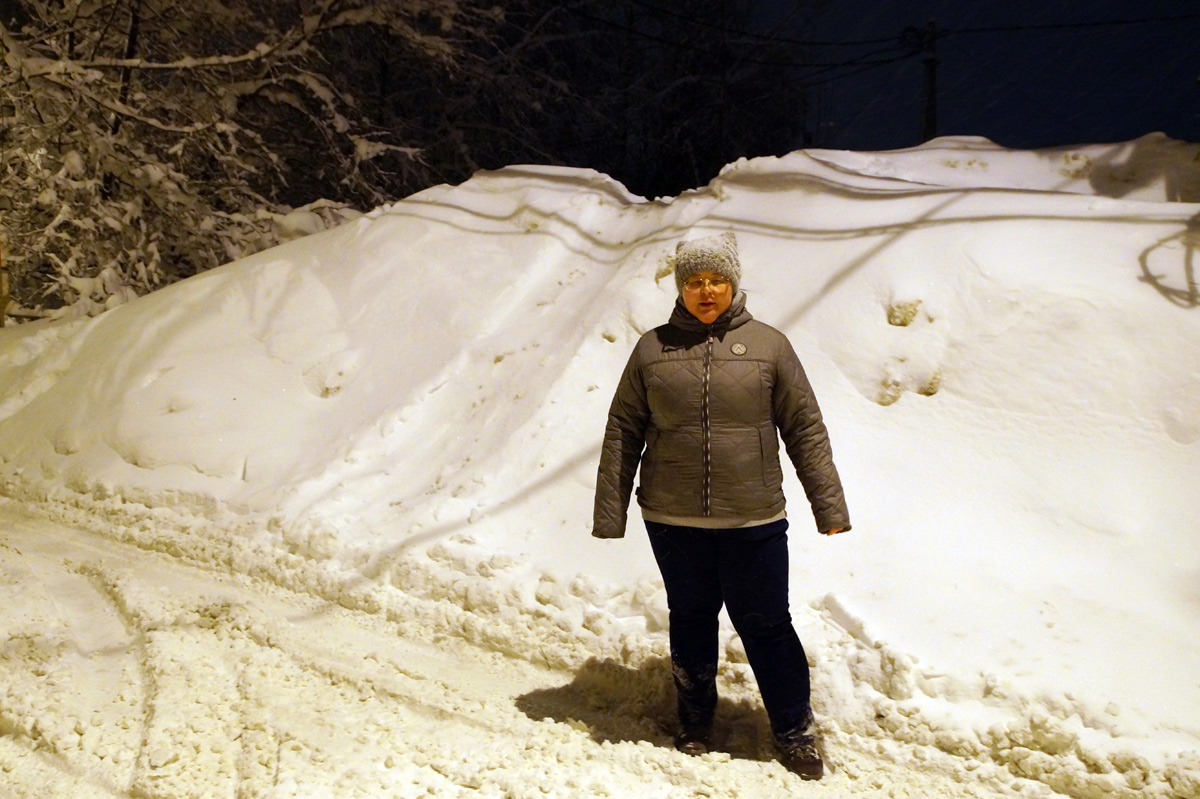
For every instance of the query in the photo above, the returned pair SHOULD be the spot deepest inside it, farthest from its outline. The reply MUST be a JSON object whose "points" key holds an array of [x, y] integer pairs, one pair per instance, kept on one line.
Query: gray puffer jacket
{"points": [[698, 406]]}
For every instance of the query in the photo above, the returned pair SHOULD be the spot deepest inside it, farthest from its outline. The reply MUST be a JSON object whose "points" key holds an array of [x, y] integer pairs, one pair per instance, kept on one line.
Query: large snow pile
{"points": [[387, 433]]}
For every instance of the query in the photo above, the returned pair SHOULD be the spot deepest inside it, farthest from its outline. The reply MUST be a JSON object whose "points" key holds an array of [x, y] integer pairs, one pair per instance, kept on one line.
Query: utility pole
{"points": [[924, 40], [929, 115]]}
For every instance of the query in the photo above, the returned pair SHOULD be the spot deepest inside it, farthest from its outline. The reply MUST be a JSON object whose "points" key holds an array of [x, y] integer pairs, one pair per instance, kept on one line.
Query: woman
{"points": [[698, 406]]}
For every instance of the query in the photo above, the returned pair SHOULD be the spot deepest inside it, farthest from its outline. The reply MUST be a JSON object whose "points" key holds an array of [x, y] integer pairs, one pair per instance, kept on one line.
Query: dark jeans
{"points": [[746, 569]]}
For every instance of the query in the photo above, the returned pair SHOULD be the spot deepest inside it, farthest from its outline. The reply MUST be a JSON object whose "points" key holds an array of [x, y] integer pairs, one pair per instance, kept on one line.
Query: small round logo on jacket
{"points": [[738, 349]]}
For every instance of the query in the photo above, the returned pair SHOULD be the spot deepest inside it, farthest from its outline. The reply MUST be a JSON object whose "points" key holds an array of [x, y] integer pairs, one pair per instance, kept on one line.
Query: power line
{"points": [[733, 58], [863, 68], [1107, 23], [741, 33], [857, 64], [942, 31]]}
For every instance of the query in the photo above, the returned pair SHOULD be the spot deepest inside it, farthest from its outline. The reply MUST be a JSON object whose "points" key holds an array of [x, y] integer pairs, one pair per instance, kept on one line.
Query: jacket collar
{"points": [[734, 317]]}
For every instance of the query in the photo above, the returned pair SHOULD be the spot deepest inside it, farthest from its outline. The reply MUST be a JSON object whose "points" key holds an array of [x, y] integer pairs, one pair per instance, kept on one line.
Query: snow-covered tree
{"points": [[146, 140], [142, 141], [662, 95]]}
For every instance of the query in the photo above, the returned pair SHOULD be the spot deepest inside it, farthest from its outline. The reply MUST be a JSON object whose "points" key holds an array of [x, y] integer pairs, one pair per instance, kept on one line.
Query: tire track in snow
{"points": [[56, 704], [252, 690]]}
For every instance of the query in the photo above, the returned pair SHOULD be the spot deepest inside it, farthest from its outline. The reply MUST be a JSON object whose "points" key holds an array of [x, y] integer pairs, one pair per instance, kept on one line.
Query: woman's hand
{"points": [[834, 531]]}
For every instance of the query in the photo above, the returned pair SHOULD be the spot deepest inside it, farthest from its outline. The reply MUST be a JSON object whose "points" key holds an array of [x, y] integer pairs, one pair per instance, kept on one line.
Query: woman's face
{"points": [[707, 295]]}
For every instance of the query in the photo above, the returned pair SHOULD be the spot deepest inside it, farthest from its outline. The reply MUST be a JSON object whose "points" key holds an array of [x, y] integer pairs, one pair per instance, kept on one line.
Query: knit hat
{"points": [[712, 254]]}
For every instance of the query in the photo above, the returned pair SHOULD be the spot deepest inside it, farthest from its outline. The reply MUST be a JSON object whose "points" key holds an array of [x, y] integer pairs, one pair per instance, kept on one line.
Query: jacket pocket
{"points": [[736, 461], [649, 458], [768, 441], [672, 473]]}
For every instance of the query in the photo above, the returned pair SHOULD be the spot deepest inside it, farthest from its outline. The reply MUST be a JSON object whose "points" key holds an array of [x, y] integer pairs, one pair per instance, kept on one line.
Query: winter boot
{"points": [[696, 697], [801, 757], [799, 753], [694, 739]]}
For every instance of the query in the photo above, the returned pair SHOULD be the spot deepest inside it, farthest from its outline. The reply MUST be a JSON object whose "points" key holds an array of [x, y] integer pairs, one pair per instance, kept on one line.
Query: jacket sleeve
{"points": [[624, 439], [807, 441]]}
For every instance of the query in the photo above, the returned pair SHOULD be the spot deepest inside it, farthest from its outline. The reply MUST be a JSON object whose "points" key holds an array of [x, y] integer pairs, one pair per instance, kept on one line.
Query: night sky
{"points": [[1057, 78]]}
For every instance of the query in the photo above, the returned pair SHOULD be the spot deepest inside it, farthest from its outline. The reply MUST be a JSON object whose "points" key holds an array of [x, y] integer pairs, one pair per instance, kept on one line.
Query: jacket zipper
{"points": [[706, 434]]}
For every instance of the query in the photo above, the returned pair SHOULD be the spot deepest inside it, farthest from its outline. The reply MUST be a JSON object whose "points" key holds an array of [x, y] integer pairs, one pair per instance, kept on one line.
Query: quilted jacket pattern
{"points": [[698, 407]]}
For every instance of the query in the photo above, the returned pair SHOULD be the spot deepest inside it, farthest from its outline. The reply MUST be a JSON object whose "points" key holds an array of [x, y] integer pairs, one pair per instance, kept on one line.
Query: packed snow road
{"points": [[130, 672]]}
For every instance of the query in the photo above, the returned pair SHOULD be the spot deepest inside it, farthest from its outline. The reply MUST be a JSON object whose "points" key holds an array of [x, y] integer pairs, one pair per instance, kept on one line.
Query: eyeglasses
{"points": [[698, 283]]}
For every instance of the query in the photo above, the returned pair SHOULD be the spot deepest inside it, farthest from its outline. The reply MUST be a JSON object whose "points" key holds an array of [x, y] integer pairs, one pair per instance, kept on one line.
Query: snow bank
{"points": [[402, 415], [1153, 168]]}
